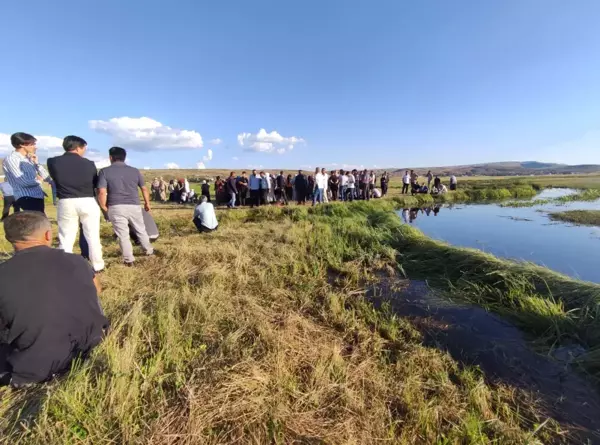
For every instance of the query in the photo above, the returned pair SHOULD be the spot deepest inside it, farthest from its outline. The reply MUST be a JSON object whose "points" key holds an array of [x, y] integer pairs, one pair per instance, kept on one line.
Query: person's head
{"points": [[117, 154], [299, 172], [24, 142], [332, 172], [316, 170], [412, 171], [28, 229], [203, 199], [244, 173], [323, 171], [262, 174], [232, 174], [254, 172], [281, 172], [218, 178], [74, 144], [204, 181], [406, 172], [429, 172], [289, 176]]}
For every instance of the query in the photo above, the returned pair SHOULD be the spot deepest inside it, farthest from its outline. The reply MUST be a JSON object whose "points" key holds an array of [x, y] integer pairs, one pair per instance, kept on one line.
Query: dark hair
{"points": [[21, 225], [117, 153], [19, 139], [72, 143]]}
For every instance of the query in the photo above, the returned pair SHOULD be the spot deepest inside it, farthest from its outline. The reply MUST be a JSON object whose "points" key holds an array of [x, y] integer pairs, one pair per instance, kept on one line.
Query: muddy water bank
{"points": [[475, 337]]}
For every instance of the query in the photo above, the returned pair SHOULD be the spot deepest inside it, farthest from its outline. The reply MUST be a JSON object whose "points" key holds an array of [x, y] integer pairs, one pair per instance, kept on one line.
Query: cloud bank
{"points": [[264, 142], [146, 134]]}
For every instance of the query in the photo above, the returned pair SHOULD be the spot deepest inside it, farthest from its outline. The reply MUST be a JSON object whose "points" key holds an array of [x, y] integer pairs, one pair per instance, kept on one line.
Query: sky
{"points": [[298, 84]]}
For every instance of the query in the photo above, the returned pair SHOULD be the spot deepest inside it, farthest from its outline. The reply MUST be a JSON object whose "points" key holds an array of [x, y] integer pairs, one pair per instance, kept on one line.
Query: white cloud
{"points": [[146, 134], [254, 167], [235, 158], [200, 166], [265, 142], [102, 163], [47, 144], [209, 155], [171, 166], [216, 141]]}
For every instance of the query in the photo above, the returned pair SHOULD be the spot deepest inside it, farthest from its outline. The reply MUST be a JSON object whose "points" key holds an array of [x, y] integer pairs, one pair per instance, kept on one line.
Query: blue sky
{"points": [[386, 83]]}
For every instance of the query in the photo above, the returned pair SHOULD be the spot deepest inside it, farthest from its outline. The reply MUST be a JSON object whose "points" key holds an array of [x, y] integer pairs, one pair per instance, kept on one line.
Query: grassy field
{"points": [[584, 217], [261, 333]]}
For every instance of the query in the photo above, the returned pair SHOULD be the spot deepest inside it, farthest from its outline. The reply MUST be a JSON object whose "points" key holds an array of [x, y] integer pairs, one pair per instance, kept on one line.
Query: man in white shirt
{"points": [[320, 184], [24, 174], [453, 182], [9, 199], [326, 188], [405, 182], [205, 218], [351, 186], [343, 184]]}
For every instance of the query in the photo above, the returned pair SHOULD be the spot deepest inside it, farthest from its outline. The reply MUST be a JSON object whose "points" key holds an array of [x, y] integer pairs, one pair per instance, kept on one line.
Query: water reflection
{"points": [[523, 233]]}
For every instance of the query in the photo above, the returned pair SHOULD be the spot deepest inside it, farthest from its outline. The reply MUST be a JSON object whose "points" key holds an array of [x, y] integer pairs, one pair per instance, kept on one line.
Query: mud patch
{"points": [[476, 337]]}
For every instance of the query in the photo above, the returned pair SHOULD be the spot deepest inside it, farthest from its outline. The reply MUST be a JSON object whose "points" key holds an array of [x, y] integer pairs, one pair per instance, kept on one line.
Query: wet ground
{"points": [[474, 336]]}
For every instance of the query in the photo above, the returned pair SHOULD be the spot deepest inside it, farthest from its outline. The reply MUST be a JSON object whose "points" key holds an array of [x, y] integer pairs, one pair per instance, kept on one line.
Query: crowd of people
{"points": [[47, 322]]}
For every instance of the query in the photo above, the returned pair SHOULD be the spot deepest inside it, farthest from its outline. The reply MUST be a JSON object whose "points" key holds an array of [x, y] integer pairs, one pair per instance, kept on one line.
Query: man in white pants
{"points": [[76, 179], [118, 196]]}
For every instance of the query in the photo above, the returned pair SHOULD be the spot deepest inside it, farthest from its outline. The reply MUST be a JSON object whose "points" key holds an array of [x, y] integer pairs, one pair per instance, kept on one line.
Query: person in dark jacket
{"points": [[231, 189], [301, 186], [242, 188], [280, 195], [205, 190], [49, 307]]}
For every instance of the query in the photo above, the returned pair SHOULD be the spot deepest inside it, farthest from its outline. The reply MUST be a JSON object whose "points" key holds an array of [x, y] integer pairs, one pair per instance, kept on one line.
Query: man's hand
{"points": [[147, 207], [33, 158]]}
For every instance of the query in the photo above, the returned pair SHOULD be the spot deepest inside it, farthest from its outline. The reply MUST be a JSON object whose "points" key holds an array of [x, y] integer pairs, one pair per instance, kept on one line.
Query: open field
{"points": [[262, 333]]}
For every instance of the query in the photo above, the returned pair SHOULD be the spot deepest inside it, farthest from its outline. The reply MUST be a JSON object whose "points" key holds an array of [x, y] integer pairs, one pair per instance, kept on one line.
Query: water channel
{"points": [[523, 233]]}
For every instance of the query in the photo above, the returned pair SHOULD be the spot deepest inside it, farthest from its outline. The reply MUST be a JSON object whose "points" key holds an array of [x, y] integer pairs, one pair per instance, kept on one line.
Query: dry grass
{"points": [[260, 333]]}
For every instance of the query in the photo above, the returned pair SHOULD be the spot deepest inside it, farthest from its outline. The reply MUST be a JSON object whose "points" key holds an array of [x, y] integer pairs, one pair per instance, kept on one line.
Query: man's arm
{"points": [[97, 284], [102, 198], [145, 193]]}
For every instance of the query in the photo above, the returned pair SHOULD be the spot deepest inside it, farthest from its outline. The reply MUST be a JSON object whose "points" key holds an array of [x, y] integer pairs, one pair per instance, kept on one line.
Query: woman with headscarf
{"points": [[162, 190], [301, 187]]}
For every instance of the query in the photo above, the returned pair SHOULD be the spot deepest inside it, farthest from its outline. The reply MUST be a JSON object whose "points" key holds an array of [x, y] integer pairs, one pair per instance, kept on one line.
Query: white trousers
{"points": [[70, 213]]}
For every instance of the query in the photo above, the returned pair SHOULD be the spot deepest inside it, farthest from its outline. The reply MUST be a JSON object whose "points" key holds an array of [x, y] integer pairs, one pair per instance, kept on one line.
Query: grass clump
{"points": [[583, 217]]}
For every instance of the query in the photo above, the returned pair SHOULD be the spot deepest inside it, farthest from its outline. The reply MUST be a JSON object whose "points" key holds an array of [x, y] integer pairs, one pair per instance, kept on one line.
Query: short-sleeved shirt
{"points": [[205, 212], [121, 182], [49, 304], [6, 189], [74, 176]]}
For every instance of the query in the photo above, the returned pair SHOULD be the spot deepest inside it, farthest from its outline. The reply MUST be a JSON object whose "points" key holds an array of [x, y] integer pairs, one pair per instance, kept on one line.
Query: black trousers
{"points": [[31, 204], [404, 188], [255, 196], [201, 228], [243, 192], [384, 188], [9, 201], [281, 196]]}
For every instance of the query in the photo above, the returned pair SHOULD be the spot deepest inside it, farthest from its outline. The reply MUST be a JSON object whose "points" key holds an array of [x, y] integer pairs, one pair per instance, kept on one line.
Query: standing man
{"points": [[453, 182], [280, 194], [301, 187], [343, 184], [429, 179], [405, 182], [9, 199], [255, 182], [384, 183], [76, 179], [350, 192], [242, 187], [334, 185], [24, 174], [118, 195], [320, 185], [326, 188], [231, 190]]}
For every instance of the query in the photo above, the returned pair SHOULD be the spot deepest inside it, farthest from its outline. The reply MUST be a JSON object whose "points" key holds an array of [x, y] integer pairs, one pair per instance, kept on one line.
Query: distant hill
{"points": [[510, 169]]}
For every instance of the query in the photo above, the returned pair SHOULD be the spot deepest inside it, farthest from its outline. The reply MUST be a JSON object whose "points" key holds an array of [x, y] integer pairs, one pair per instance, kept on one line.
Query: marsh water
{"points": [[523, 233]]}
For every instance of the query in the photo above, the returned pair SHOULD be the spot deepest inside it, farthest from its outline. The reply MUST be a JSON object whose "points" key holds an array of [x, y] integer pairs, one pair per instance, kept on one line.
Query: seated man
{"points": [[49, 308], [205, 218]]}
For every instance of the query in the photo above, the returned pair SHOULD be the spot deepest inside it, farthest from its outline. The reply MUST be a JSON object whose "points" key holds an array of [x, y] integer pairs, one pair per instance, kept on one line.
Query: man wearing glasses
{"points": [[24, 174]]}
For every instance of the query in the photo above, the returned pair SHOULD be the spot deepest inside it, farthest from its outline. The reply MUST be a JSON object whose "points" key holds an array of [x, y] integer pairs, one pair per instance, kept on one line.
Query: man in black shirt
{"points": [[76, 179], [49, 308]]}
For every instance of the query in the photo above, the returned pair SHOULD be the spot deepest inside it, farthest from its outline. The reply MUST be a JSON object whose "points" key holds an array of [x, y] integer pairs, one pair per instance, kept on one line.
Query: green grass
{"points": [[261, 333], [584, 217]]}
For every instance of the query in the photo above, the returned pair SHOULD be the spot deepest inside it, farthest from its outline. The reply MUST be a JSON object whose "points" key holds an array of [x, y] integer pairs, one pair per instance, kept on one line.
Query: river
{"points": [[524, 233]]}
